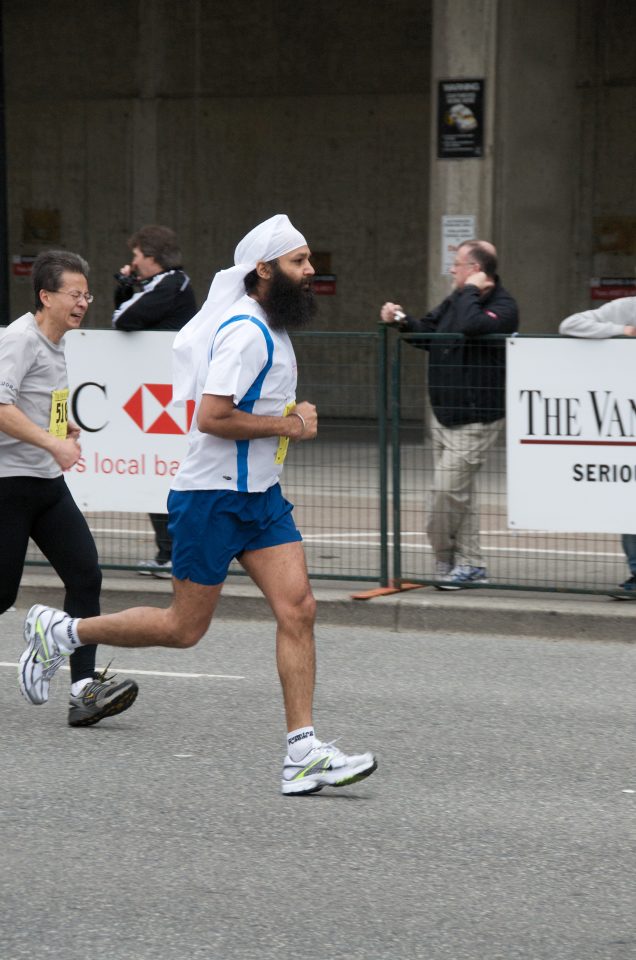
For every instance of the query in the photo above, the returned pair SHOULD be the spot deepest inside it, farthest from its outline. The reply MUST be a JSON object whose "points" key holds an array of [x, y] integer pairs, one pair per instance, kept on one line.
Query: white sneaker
{"points": [[42, 656], [461, 576], [325, 766], [161, 569]]}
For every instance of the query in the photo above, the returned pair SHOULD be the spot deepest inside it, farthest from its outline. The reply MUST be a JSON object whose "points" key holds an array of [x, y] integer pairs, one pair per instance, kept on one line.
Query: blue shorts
{"points": [[209, 528]]}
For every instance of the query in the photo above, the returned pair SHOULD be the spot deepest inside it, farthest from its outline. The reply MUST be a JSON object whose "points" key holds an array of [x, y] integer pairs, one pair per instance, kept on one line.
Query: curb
{"points": [[552, 616]]}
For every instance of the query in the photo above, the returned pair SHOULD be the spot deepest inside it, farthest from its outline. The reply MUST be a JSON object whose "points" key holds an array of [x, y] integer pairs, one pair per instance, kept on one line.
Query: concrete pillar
{"points": [[143, 147], [464, 46]]}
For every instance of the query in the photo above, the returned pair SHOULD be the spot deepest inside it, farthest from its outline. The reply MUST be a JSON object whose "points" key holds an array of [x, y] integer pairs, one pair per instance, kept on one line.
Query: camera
{"points": [[130, 281]]}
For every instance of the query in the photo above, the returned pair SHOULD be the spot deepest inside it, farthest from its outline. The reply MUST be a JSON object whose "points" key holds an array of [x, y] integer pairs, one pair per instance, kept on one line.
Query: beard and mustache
{"points": [[289, 305]]}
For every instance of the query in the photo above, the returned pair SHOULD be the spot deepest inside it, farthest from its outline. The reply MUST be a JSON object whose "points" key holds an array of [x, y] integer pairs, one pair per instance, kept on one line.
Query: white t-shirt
{"points": [[256, 366], [33, 377]]}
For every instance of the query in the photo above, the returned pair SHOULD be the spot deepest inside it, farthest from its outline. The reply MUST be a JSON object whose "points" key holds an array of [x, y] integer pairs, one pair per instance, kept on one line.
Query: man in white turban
{"points": [[235, 360]]}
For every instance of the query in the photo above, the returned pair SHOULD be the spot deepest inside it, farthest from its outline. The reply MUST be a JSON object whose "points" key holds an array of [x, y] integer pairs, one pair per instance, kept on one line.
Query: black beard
{"points": [[288, 305]]}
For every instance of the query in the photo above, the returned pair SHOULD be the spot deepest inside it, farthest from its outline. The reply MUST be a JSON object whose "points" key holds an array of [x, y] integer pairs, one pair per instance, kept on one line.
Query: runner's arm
{"points": [[218, 416], [16, 424]]}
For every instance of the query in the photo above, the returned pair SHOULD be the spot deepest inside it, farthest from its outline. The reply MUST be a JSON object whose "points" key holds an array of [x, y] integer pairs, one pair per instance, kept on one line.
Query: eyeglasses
{"points": [[77, 295], [464, 263]]}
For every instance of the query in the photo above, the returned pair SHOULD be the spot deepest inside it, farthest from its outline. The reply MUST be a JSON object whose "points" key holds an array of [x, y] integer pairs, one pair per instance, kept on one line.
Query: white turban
{"points": [[269, 240]]}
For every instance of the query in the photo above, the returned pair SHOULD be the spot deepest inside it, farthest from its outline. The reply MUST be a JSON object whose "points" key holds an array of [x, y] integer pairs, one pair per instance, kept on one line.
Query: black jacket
{"points": [[467, 375], [168, 305]]}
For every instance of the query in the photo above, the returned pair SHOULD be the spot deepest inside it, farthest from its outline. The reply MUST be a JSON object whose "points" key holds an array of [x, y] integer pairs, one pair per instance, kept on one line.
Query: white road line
{"points": [[158, 673], [413, 547], [424, 547], [120, 531]]}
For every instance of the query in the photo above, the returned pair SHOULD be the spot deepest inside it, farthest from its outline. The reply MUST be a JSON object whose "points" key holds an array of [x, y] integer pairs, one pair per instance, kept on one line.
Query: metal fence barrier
{"points": [[515, 559], [338, 484], [362, 491]]}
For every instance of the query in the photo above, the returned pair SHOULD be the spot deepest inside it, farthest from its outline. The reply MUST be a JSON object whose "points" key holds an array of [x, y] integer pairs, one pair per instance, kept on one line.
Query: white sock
{"points": [[65, 635], [300, 742], [76, 688]]}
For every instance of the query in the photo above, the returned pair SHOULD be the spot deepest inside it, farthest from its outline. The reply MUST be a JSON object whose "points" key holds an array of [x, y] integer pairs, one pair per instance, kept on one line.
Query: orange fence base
{"points": [[387, 591]]}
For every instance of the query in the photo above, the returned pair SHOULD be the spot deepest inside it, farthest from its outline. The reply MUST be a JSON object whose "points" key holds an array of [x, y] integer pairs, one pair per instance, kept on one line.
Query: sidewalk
{"points": [[556, 616]]}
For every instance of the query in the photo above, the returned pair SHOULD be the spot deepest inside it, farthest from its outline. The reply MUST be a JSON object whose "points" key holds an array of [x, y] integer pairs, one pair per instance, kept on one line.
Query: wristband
{"points": [[301, 418]]}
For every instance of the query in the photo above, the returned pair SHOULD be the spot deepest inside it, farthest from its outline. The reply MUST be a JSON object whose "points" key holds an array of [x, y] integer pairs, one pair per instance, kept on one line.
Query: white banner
{"points": [[132, 439], [571, 431]]}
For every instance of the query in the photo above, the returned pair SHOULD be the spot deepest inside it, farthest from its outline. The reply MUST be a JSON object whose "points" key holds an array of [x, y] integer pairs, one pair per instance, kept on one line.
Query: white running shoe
{"points": [[42, 656], [161, 569], [325, 766]]}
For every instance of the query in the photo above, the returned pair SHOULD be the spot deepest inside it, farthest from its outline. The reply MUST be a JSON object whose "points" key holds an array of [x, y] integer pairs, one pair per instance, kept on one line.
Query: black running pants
{"points": [[45, 511]]}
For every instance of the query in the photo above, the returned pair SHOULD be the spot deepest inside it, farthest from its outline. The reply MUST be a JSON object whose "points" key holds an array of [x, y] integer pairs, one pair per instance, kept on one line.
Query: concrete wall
{"points": [[538, 151], [566, 152], [210, 116]]}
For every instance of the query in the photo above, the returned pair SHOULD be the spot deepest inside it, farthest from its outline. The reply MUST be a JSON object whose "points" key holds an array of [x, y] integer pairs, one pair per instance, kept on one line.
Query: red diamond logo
{"points": [[147, 407]]}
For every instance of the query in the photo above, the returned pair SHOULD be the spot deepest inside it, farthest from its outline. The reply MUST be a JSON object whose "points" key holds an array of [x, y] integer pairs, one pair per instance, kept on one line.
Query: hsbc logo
{"points": [[148, 409]]}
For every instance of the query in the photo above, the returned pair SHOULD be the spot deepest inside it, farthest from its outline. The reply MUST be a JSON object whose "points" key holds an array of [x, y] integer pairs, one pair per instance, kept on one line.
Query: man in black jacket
{"points": [[466, 383], [154, 293]]}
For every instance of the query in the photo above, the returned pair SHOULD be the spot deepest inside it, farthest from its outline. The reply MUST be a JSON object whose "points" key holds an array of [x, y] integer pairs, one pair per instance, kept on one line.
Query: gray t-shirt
{"points": [[609, 320], [33, 377]]}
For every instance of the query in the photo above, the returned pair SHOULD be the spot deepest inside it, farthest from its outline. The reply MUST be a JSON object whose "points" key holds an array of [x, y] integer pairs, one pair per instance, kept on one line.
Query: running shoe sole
{"points": [[327, 778], [120, 703]]}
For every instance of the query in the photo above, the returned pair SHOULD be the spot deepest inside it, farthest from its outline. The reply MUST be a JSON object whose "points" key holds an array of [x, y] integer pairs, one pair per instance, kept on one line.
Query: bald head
{"points": [[483, 253]]}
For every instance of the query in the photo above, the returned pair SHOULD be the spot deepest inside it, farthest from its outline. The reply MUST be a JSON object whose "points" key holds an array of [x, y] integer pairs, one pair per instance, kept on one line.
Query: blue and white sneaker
{"points": [[325, 766], [461, 576], [42, 657]]}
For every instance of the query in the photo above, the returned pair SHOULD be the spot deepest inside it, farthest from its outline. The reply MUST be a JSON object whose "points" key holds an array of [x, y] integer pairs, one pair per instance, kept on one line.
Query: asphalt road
{"points": [[500, 822]]}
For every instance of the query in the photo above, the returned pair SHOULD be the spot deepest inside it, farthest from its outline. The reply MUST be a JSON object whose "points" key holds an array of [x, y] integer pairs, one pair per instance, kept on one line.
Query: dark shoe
{"points": [[102, 697], [626, 591]]}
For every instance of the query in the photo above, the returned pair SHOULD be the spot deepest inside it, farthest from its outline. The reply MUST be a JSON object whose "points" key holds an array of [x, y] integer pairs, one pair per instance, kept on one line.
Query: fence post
{"points": [[395, 460], [382, 455]]}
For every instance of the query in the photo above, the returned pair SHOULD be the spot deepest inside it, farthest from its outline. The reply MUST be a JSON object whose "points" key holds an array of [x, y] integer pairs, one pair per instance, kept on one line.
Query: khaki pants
{"points": [[453, 522]]}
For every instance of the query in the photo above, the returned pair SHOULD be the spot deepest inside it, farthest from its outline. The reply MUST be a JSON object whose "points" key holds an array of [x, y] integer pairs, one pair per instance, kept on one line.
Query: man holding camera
{"points": [[466, 383], [154, 293]]}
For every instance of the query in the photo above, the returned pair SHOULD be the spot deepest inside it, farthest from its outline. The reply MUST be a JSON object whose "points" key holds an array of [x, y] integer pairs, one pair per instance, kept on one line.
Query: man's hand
{"points": [[126, 270], [483, 283], [309, 414], [73, 431], [629, 331], [388, 312], [66, 452]]}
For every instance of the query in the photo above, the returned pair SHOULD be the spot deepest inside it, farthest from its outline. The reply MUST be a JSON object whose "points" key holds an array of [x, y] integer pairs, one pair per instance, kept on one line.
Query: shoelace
{"points": [[50, 666], [103, 676], [329, 747]]}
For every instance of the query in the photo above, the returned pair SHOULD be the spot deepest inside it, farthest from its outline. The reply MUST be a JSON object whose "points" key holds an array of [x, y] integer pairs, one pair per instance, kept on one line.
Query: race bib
{"points": [[283, 442], [58, 425]]}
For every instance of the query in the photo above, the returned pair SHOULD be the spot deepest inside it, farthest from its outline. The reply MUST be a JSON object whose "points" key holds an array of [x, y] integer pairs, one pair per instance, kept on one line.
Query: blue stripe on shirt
{"points": [[246, 403]]}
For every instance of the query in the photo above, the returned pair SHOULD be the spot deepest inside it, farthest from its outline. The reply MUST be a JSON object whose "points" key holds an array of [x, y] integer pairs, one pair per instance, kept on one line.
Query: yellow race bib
{"points": [[283, 442], [58, 425]]}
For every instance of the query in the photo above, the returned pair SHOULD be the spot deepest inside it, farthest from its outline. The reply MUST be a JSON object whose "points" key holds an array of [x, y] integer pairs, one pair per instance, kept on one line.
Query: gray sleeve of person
{"points": [[609, 320]]}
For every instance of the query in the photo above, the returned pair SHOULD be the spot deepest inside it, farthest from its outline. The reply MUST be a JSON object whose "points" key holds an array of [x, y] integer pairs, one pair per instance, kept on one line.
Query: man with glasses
{"points": [[154, 293], [466, 384], [37, 444]]}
